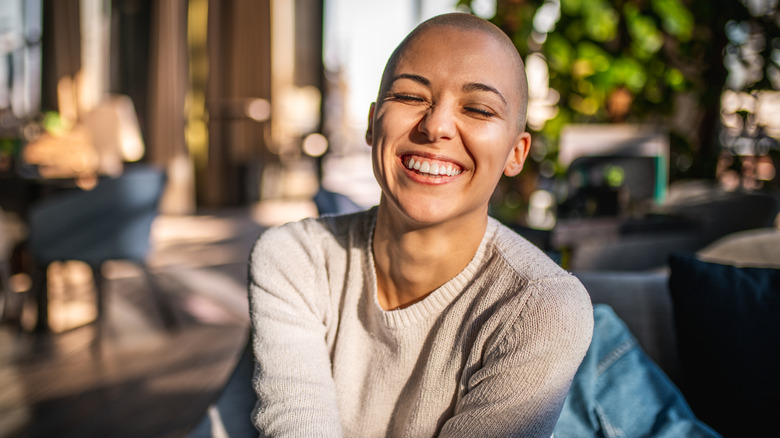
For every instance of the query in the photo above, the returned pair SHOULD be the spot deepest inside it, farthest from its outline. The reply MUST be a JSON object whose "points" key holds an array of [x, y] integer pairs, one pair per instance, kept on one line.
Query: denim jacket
{"points": [[619, 391]]}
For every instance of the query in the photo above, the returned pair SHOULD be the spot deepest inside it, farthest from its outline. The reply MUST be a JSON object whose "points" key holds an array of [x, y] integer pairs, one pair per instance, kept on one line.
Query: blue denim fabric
{"points": [[619, 392]]}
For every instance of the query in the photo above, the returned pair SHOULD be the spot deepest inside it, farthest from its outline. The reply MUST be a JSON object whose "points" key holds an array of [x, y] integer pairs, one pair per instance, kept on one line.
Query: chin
{"points": [[432, 213], [426, 216], [417, 213]]}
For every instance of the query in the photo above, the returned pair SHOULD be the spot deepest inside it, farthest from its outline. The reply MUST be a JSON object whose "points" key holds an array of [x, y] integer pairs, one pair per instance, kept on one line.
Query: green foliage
{"points": [[646, 37], [676, 19], [633, 61], [601, 51], [599, 19], [620, 49], [53, 123]]}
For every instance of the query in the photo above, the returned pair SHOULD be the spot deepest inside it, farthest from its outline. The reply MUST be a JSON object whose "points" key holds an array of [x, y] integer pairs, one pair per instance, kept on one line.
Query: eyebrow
{"points": [[416, 78], [471, 86], [476, 86]]}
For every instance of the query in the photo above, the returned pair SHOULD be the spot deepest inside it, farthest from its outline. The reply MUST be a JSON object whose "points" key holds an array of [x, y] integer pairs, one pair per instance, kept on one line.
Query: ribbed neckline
{"points": [[437, 300]]}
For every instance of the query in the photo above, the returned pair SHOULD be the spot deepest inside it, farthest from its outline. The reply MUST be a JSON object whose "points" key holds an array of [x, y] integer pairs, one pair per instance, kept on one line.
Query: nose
{"points": [[438, 123]]}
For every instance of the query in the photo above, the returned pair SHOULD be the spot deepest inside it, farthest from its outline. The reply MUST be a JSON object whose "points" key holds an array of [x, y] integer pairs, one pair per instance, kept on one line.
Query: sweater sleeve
{"points": [[526, 372], [288, 305]]}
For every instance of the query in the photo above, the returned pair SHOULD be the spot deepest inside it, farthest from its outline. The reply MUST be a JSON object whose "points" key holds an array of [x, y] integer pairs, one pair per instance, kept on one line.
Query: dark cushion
{"points": [[728, 335]]}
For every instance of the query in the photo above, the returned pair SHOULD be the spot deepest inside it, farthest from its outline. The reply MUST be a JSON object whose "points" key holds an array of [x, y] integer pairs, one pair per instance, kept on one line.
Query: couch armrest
{"points": [[641, 300]]}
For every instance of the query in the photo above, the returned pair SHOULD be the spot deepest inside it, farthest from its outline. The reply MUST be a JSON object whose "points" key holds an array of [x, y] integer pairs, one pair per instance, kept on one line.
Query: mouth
{"points": [[429, 167]]}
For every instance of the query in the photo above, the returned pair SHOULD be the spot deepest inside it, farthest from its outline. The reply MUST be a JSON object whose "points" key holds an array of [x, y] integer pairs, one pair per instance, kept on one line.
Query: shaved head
{"points": [[467, 23]]}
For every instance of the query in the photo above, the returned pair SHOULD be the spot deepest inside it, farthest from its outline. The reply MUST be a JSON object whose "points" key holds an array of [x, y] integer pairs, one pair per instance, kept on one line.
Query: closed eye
{"points": [[406, 97], [480, 111]]}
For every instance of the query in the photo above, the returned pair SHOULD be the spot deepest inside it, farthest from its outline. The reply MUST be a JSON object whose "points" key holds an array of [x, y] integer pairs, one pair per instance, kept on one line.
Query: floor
{"points": [[140, 379]]}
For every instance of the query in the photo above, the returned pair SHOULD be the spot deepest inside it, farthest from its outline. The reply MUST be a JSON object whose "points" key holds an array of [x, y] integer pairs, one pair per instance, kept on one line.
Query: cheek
{"points": [[382, 150], [489, 147], [396, 121]]}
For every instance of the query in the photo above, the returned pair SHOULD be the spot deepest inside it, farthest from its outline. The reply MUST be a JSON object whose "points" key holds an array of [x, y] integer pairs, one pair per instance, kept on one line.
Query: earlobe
{"points": [[370, 129], [518, 154]]}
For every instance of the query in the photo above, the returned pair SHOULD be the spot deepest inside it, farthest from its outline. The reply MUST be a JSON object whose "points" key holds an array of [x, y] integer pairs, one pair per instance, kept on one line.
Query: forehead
{"points": [[462, 53]]}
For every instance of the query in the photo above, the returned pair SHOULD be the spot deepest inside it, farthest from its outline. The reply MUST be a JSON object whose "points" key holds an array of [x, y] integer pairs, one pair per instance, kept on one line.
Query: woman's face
{"points": [[447, 126]]}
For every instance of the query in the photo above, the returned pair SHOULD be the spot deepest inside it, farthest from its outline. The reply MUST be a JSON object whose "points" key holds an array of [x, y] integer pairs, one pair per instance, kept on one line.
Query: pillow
{"points": [[728, 330]]}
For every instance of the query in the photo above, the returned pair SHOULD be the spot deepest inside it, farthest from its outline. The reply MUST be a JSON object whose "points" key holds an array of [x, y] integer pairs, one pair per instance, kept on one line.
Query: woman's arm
{"points": [[288, 305]]}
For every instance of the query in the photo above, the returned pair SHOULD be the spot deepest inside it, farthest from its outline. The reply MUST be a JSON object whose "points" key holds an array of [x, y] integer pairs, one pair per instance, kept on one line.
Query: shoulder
{"points": [[295, 260], [553, 300], [310, 234], [523, 257], [519, 267]]}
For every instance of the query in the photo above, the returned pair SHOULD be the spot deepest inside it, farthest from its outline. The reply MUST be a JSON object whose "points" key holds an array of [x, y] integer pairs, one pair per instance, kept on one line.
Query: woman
{"points": [[421, 316]]}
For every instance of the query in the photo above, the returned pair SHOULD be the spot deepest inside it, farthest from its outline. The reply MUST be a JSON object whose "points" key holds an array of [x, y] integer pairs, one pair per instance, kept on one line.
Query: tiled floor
{"points": [[143, 380]]}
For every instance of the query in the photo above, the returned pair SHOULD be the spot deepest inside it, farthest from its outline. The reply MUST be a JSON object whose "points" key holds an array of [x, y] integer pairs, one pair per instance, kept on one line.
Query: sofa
{"points": [[642, 300], [708, 320], [634, 277]]}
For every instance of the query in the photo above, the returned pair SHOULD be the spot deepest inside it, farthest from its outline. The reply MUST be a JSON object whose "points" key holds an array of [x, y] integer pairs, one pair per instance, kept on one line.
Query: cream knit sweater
{"points": [[490, 353]]}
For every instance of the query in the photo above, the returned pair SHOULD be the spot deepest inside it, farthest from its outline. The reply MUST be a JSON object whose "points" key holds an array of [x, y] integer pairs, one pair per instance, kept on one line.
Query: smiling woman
{"points": [[422, 316], [437, 108]]}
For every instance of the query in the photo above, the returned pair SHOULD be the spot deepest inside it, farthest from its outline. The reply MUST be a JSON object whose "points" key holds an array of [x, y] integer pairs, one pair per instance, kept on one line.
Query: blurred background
{"points": [[145, 144]]}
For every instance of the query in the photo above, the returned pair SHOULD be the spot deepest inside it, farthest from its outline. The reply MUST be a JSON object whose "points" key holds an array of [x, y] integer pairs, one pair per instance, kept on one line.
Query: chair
{"points": [[620, 140], [329, 202], [110, 222], [5, 272], [230, 415], [610, 185]]}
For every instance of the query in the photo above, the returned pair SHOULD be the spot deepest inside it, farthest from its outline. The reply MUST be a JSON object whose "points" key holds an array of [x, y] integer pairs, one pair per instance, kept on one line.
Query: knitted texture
{"points": [[492, 352]]}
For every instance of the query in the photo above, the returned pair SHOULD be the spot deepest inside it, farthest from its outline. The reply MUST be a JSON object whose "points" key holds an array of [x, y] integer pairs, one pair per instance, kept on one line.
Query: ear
{"points": [[370, 129], [518, 154]]}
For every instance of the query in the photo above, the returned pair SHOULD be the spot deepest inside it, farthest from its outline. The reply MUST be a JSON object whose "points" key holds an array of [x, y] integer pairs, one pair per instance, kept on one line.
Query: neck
{"points": [[413, 260]]}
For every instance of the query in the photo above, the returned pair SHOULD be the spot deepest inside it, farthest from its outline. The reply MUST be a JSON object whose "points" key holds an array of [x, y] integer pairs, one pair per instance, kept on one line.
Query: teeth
{"points": [[432, 169]]}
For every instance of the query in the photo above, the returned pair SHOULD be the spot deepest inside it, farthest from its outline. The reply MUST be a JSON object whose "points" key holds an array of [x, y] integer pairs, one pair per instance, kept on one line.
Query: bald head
{"points": [[467, 23]]}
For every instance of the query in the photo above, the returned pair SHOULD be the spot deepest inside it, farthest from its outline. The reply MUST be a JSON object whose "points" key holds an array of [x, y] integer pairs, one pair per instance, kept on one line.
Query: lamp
{"points": [[113, 125], [107, 137]]}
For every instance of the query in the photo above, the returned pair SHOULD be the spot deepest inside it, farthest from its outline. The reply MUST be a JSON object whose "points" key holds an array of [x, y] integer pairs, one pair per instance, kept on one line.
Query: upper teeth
{"points": [[432, 169]]}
